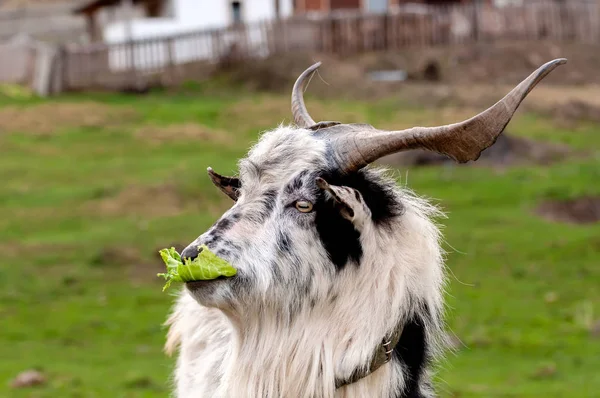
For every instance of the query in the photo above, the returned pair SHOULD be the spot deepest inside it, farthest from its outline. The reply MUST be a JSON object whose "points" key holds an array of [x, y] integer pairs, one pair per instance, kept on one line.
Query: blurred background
{"points": [[111, 111]]}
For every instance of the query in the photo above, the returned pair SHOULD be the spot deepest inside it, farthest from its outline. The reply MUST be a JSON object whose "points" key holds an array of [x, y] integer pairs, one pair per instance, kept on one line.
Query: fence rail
{"points": [[192, 55]]}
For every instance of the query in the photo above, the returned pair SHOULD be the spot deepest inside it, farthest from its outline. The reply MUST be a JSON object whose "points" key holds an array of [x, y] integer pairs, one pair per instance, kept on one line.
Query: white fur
{"points": [[268, 341]]}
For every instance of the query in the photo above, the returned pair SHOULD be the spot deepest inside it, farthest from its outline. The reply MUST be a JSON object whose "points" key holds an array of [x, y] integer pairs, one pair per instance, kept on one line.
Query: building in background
{"points": [[166, 19], [316, 7], [171, 17]]}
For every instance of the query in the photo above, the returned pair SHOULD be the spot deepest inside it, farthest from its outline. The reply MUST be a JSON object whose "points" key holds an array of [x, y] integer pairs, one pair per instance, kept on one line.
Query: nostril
{"points": [[190, 252]]}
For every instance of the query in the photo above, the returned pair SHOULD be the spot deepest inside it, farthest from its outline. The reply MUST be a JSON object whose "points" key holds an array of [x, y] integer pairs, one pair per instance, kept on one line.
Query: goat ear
{"points": [[347, 200], [228, 185]]}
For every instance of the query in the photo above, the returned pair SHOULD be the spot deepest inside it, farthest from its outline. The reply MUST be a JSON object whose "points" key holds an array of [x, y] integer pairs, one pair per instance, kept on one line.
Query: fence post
{"points": [[286, 39], [59, 71], [332, 40], [170, 63], [386, 24], [476, 16]]}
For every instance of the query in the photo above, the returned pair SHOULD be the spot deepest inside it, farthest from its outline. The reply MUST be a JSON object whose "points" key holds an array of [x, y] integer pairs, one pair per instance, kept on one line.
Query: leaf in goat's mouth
{"points": [[207, 266]]}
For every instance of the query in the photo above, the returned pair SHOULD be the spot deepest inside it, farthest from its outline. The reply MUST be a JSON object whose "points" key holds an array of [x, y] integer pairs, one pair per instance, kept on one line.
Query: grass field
{"points": [[93, 186]]}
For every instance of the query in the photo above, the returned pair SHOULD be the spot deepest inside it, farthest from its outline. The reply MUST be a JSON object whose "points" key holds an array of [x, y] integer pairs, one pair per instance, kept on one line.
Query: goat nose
{"points": [[190, 252]]}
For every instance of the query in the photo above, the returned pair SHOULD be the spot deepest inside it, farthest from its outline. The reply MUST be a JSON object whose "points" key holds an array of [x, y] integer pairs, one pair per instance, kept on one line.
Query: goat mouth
{"points": [[200, 283]]}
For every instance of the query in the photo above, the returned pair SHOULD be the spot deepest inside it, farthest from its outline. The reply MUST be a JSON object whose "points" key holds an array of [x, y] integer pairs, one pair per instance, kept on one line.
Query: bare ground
{"points": [[184, 131], [268, 108], [507, 151], [583, 210], [50, 118], [137, 267], [470, 75], [142, 201], [146, 202]]}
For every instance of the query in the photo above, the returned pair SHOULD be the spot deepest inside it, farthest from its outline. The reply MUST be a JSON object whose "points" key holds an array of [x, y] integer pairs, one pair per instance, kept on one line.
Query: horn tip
{"points": [[313, 67], [556, 62]]}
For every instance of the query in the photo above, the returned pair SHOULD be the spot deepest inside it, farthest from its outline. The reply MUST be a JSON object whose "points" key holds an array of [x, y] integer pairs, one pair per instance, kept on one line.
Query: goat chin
{"points": [[211, 293]]}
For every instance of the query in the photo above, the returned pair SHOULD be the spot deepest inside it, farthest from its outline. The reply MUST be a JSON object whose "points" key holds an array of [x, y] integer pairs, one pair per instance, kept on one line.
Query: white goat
{"points": [[339, 291]]}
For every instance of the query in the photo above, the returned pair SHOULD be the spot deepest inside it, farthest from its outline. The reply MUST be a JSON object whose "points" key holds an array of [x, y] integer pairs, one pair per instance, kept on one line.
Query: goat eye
{"points": [[304, 206]]}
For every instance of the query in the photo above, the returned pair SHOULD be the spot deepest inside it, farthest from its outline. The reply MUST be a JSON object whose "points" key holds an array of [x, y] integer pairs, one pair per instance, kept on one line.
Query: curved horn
{"points": [[301, 116], [462, 141]]}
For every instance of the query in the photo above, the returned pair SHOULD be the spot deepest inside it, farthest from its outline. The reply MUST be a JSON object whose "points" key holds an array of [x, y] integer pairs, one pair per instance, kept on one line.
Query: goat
{"points": [[340, 283]]}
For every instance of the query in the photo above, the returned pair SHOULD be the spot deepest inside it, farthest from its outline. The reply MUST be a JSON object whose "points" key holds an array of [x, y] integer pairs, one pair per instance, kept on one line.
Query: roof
{"points": [[94, 5]]}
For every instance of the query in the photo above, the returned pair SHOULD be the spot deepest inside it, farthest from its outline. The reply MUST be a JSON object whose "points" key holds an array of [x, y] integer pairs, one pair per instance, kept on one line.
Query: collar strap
{"points": [[382, 355]]}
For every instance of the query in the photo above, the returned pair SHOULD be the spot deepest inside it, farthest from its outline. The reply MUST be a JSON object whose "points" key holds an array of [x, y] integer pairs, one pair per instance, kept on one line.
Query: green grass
{"points": [[523, 292]]}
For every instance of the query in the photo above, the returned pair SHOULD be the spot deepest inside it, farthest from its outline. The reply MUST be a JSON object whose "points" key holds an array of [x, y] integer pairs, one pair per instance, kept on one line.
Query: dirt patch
{"points": [[185, 131], [278, 73], [262, 110], [28, 378], [548, 371], [150, 201], [504, 63], [572, 112], [474, 76], [583, 210], [48, 119], [507, 151], [268, 108], [141, 201], [115, 257], [15, 249], [138, 268], [595, 330]]}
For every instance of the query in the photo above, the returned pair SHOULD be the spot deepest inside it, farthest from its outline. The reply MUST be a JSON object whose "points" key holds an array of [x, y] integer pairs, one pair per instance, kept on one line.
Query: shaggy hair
{"points": [[315, 291]]}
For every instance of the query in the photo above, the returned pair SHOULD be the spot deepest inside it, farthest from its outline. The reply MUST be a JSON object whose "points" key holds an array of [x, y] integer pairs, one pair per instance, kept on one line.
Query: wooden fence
{"points": [[167, 60]]}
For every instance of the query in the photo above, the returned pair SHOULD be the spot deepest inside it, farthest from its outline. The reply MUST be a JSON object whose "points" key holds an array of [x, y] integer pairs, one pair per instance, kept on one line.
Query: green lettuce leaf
{"points": [[207, 266]]}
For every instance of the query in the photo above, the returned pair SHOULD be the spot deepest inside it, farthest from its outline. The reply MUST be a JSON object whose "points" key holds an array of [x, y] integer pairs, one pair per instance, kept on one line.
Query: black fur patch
{"points": [[211, 239], [223, 253], [235, 216], [269, 200], [222, 225], [277, 275], [284, 243], [412, 352], [338, 235], [333, 298], [377, 195], [234, 247], [340, 238], [296, 183]]}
